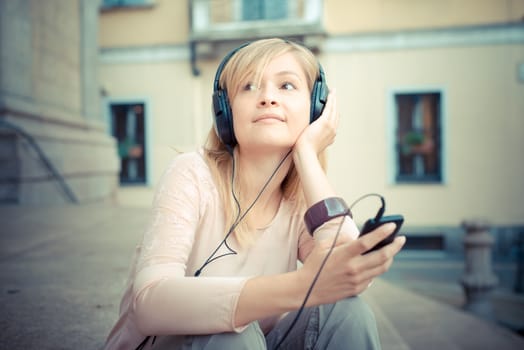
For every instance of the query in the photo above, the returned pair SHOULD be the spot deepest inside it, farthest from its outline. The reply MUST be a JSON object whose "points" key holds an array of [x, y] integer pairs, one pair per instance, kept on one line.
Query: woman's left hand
{"points": [[321, 133]]}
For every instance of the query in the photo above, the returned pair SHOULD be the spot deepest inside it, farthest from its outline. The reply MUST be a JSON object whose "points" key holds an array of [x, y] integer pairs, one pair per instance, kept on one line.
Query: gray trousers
{"points": [[347, 324]]}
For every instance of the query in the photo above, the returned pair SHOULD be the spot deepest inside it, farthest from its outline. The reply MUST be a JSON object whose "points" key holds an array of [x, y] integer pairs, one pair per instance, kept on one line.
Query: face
{"points": [[271, 113]]}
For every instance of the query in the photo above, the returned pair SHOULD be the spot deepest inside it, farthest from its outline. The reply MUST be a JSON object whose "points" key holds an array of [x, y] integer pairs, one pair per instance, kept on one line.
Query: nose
{"points": [[267, 97]]}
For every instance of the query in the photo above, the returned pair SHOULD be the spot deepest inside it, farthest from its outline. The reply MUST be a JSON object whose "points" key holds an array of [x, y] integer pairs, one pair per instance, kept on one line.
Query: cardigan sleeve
{"points": [[165, 300]]}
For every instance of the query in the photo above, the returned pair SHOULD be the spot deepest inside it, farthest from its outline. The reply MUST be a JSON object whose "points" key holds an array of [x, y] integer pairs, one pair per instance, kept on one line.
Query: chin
{"points": [[277, 146]]}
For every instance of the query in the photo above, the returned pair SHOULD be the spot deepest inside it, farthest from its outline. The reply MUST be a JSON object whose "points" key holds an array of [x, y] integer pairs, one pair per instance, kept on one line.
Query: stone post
{"points": [[478, 280], [519, 278]]}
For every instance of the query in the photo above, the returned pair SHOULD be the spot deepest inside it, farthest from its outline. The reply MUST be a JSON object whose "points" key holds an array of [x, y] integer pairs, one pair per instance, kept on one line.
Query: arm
{"points": [[315, 139], [165, 300], [315, 183], [347, 271]]}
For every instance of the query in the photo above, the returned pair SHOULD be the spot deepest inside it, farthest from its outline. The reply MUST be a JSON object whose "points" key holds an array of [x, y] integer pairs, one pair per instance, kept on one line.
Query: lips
{"points": [[269, 117]]}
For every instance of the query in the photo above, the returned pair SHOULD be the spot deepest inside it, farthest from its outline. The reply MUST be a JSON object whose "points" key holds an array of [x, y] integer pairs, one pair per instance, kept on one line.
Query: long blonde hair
{"points": [[248, 61]]}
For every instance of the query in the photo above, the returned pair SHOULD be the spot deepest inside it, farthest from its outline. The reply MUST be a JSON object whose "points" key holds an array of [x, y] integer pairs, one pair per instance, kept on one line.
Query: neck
{"points": [[253, 173]]}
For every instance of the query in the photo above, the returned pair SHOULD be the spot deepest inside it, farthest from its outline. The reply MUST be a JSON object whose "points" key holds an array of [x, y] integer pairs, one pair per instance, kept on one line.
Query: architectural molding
{"points": [[421, 39], [145, 54], [396, 40]]}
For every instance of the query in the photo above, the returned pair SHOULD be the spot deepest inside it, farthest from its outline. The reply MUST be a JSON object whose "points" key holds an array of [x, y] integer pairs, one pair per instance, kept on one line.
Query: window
{"points": [[264, 9], [106, 4], [241, 19], [418, 137], [128, 128]]}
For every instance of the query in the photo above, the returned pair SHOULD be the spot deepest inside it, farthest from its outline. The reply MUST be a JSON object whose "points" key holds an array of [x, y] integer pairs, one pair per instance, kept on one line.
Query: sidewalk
{"points": [[62, 270], [439, 279]]}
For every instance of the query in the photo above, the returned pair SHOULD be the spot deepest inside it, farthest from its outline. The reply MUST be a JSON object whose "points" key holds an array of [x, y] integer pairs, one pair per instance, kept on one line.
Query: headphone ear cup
{"points": [[223, 118], [319, 96]]}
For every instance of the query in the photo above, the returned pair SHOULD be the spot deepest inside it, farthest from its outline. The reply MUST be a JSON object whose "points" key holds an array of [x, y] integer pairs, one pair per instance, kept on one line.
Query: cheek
{"points": [[302, 112]]}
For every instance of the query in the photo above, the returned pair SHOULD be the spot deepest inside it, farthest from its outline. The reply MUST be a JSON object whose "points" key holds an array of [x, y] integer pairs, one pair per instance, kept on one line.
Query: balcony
{"points": [[218, 25]]}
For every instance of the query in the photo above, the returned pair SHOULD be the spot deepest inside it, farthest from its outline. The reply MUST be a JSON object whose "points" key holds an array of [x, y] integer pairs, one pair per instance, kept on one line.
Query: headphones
{"points": [[222, 109]]}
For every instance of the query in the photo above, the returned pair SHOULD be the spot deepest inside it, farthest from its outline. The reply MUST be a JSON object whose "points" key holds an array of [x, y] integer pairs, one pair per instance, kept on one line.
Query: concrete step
{"points": [[439, 279], [423, 323]]}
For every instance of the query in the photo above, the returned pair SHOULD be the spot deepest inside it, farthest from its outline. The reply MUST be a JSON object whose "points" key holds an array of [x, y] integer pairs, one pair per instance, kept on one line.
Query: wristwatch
{"points": [[323, 211]]}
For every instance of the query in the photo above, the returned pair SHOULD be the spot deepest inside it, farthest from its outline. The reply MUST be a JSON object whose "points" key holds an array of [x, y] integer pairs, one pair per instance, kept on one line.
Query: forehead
{"points": [[285, 64]]}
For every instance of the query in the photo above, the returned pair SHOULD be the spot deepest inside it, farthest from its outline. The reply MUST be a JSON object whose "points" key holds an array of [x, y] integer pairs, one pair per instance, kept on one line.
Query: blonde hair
{"points": [[250, 61]]}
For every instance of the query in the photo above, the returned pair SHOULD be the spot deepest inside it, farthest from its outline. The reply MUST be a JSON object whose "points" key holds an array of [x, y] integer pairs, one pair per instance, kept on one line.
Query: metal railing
{"points": [[226, 19], [43, 158]]}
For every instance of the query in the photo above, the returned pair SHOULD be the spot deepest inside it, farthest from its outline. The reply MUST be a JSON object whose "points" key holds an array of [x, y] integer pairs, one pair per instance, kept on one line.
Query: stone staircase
{"points": [[67, 261], [408, 320]]}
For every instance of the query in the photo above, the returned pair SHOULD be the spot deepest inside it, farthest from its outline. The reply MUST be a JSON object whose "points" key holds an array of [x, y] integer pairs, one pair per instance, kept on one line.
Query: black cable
{"points": [[212, 258], [382, 209], [239, 218], [301, 309]]}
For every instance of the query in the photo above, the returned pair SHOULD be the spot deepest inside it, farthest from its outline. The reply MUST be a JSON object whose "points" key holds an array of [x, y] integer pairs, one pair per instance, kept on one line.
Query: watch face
{"points": [[324, 211]]}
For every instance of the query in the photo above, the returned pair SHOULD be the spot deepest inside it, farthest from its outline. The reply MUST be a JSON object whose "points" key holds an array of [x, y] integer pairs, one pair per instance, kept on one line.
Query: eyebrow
{"points": [[290, 72]]}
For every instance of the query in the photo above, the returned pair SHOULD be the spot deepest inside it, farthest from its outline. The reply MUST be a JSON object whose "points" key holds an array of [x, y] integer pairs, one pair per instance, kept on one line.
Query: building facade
{"points": [[431, 97], [54, 146]]}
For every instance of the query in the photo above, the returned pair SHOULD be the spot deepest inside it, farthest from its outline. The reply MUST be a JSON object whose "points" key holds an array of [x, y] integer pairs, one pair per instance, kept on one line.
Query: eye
{"points": [[288, 86], [249, 87]]}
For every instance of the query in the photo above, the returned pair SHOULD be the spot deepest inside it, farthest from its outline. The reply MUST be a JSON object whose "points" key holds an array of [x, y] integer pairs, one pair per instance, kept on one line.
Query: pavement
{"points": [[63, 269]]}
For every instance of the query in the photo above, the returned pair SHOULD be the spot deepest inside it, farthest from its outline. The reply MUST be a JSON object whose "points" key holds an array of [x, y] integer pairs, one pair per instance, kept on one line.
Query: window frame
{"points": [[391, 137], [148, 120]]}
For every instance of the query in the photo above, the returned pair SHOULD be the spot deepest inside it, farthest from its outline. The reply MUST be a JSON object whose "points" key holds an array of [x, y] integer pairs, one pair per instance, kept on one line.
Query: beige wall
{"points": [[356, 16], [483, 128], [174, 111], [164, 23], [483, 107]]}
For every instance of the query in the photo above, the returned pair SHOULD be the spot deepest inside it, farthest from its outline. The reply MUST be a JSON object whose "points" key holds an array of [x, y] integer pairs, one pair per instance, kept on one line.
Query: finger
{"points": [[328, 108], [334, 112], [379, 261], [369, 240]]}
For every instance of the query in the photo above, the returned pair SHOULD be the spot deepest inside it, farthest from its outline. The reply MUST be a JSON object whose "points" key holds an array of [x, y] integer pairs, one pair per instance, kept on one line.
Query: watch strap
{"points": [[323, 211]]}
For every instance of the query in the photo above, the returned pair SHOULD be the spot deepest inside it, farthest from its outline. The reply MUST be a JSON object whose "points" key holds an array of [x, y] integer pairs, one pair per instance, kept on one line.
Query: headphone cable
{"points": [[310, 289], [240, 217], [308, 293]]}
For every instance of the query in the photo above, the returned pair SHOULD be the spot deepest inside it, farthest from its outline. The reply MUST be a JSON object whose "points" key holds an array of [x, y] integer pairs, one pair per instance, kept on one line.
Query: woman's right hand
{"points": [[347, 271]]}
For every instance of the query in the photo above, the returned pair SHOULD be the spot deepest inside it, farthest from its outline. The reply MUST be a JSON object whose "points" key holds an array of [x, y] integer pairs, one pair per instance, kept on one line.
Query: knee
{"points": [[354, 311], [350, 321]]}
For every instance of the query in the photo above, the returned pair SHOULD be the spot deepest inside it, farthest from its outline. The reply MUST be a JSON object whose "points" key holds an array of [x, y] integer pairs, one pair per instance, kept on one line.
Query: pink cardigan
{"points": [[163, 297]]}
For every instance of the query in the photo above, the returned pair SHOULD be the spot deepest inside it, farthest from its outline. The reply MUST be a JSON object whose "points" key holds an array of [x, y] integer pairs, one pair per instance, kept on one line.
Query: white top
{"points": [[187, 209]]}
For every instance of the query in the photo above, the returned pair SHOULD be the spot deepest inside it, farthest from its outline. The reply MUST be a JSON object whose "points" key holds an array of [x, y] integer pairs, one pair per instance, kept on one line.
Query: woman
{"points": [[217, 268]]}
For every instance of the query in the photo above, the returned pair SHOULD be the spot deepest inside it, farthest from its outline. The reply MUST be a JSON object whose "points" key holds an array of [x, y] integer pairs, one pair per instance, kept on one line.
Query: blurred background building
{"points": [[54, 144], [431, 99], [97, 96]]}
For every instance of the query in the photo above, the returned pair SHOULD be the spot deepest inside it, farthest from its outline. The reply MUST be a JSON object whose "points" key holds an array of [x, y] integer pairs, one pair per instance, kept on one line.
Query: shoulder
{"points": [[188, 166], [187, 172], [192, 161]]}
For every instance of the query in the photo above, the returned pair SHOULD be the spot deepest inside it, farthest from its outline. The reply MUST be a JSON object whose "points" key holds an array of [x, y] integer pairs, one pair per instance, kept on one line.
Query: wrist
{"points": [[303, 151], [303, 281], [323, 211]]}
